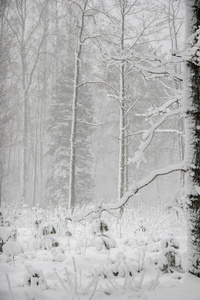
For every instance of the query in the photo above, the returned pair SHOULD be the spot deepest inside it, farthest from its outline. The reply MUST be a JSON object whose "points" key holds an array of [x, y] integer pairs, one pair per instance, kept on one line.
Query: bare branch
{"points": [[89, 123], [98, 82], [146, 181]]}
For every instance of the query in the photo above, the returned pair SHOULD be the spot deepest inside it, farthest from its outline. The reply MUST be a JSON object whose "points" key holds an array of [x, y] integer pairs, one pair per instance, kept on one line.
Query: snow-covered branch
{"points": [[157, 131], [146, 181], [98, 82], [89, 123], [161, 121], [154, 111], [95, 213], [147, 137]]}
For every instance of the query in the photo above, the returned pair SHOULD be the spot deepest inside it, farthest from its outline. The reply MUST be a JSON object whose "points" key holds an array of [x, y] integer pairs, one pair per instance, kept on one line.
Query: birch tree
{"points": [[76, 81], [192, 132]]}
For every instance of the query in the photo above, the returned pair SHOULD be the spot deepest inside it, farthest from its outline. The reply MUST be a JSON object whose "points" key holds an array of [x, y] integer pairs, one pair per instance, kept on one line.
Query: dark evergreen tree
{"points": [[59, 148], [192, 133]]}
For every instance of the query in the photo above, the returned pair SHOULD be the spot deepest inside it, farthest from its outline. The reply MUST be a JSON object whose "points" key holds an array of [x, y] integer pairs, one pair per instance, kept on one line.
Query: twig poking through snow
{"points": [[95, 287], [9, 286], [61, 281]]}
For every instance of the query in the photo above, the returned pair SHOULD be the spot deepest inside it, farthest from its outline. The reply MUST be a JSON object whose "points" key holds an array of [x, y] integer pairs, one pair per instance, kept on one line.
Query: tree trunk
{"points": [[24, 151], [192, 140], [73, 131], [122, 124], [72, 164]]}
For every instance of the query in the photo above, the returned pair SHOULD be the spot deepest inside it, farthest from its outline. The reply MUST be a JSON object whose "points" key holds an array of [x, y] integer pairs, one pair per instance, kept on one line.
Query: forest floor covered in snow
{"points": [[142, 255]]}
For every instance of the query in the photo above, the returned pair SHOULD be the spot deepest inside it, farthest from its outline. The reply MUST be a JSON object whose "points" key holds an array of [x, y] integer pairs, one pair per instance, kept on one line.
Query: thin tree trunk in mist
{"points": [[72, 163]]}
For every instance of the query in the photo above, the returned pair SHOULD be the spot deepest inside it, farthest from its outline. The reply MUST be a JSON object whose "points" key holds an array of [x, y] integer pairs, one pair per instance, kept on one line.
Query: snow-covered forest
{"points": [[99, 149]]}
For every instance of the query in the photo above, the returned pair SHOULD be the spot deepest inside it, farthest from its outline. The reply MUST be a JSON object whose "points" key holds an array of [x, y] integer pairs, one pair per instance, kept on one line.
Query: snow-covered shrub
{"points": [[170, 258], [34, 278], [37, 223], [99, 227], [46, 237], [46, 228], [120, 266], [101, 238], [153, 252], [12, 247], [119, 269], [103, 242]]}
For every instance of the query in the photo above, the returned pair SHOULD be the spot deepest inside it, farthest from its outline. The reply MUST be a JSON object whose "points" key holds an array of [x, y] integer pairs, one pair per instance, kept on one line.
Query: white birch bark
{"points": [[72, 164], [122, 115]]}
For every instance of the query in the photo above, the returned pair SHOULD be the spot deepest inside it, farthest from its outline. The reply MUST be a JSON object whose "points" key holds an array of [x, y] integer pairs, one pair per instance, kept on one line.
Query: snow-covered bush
{"points": [[120, 268], [35, 277], [12, 247], [5, 233], [46, 228], [170, 258], [101, 238], [46, 237]]}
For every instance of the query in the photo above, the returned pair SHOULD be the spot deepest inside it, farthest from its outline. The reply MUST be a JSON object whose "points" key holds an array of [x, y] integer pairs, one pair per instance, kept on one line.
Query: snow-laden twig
{"points": [[157, 124], [89, 123], [90, 284], [9, 286], [157, 131], [69, 281], [43, 280], [139, 285], [75, 275], [61, 281], [154, 282], [115, 285], [127, 276], [99, 82], [158, 110], [148, 136], [95, 287]]}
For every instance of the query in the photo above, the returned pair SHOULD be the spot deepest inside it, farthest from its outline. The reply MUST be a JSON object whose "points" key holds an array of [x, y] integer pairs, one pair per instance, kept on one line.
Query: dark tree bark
{"points": [[192, 131]]}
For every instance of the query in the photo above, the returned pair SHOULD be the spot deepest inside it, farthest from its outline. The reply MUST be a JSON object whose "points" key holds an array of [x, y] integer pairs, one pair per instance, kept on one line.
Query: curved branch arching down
{"points": [[96, 213]]}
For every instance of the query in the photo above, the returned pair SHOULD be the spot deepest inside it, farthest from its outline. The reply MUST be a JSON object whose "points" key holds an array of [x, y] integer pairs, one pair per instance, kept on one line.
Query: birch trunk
{"points": [[43, 105], [192, 141], [72, 164], [73, 130], [122, 126], [25, 104]]}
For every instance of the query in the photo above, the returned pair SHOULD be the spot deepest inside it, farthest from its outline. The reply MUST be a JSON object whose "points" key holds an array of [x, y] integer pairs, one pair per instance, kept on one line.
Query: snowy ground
{"points": [[81, 266]]}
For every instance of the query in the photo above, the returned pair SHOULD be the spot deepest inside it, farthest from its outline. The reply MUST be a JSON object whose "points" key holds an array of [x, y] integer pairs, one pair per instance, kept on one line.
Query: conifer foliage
{"points": [[59, 126], [192, 140]]}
